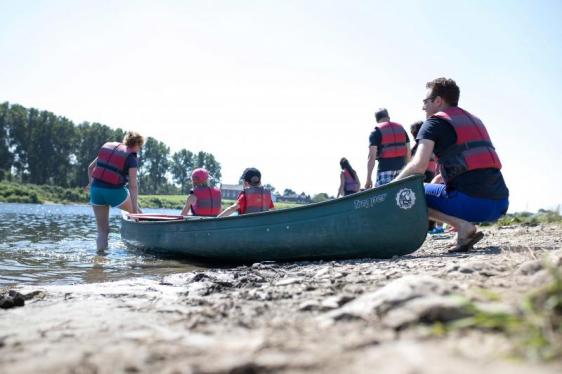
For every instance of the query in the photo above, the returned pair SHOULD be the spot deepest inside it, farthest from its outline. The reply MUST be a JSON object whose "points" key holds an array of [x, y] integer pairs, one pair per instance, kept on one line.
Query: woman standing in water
{"points": [[349, 182], [114, 167]]}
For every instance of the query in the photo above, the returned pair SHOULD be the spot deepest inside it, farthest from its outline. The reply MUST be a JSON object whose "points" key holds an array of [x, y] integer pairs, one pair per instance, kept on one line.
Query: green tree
{"points": [[49, 152], [182, 165], [214, 168], [6, 157], [200, 159], [64, 137], [154, 167], [269, 187], [322, 196], [42, 146], [208, 161], [20, 140], [288, 192], [89, 140]]}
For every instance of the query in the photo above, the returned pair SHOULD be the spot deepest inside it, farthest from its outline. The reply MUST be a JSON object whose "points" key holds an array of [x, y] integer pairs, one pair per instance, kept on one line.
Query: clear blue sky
{"points": [[291, 86]]}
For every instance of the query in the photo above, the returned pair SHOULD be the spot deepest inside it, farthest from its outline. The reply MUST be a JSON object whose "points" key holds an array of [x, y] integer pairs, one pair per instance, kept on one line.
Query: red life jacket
{"points": [[473, 149], [393, 140], [208, 201], [110, 165], [351, 184], [258, 199]]}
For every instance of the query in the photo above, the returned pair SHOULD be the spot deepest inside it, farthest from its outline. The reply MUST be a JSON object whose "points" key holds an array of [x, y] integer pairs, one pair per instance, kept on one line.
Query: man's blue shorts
{"points": [[115, 197], [458, 204]]}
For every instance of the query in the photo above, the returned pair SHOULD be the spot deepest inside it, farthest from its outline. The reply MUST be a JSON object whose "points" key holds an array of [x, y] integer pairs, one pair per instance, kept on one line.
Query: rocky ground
{"points": [[403, 315]]}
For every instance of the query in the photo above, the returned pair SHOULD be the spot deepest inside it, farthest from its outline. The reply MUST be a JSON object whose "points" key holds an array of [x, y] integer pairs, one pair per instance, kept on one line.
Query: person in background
{"points": [[390, 145], [254, 198], [431, 170], [349, 182], [429, 176], [108, 174], [474, 189], [203, 200]]}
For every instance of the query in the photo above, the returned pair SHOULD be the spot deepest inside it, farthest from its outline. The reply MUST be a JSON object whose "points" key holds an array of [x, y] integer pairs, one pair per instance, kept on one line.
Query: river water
{"points": [[56, 244]]}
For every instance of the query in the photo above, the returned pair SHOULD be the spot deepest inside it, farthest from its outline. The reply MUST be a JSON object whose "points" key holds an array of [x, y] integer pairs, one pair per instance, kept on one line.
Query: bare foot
{"points": [[465, 231], [468, 243]]}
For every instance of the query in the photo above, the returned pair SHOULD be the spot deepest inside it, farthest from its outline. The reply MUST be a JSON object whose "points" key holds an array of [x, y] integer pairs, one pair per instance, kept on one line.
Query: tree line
{"points": [[40, 147]]}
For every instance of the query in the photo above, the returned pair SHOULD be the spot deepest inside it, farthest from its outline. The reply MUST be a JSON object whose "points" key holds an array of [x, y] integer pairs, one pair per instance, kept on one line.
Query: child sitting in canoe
{"points": [[203, 200], [254, 198]]}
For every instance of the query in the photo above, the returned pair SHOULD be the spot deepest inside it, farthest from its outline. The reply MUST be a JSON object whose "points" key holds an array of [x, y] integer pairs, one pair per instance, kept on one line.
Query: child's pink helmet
{"points": [[200, 176]]}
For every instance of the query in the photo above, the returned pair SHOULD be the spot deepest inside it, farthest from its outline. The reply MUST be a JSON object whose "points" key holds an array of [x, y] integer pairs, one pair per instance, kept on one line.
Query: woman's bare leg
{"points": [[127, 205], [102, 221]]}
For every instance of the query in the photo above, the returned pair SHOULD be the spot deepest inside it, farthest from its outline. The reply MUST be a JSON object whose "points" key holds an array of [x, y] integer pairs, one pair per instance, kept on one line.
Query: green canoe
{"points": [[381, 222]]}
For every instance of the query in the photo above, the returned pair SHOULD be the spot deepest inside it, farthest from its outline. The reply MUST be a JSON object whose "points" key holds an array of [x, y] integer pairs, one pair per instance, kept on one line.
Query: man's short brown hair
{"points": [[446, 88]]}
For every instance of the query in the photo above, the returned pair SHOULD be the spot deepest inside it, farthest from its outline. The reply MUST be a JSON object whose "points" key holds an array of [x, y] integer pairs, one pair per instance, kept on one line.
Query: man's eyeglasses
{"points": [[428, 99]]}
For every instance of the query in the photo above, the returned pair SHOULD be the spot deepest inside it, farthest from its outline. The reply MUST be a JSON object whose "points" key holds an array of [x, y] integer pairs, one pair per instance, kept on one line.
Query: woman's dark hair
{"points": [[415, 128], [344, 164], [446, 88], [252, 176]]}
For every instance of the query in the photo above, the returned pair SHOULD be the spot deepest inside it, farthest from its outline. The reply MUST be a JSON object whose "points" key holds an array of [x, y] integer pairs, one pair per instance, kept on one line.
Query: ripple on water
{"points": [[55, 244]]}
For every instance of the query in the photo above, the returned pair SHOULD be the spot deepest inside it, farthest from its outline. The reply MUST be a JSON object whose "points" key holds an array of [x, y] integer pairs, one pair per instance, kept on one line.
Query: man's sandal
{"points": [[467, 243]]}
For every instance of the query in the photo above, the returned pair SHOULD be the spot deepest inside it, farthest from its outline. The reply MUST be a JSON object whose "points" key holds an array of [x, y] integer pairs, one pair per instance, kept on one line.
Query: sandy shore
{"points": [[325, 317]]}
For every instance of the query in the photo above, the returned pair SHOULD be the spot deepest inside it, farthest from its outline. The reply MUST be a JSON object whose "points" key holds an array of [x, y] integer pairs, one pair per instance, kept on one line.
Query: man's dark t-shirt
{"points": [[385, 164], [484, 183]]}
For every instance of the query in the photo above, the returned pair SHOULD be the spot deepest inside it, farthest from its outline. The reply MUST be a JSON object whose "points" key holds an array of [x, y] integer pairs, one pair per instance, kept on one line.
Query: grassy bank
{"points": [[35, 194], [530, 219]]}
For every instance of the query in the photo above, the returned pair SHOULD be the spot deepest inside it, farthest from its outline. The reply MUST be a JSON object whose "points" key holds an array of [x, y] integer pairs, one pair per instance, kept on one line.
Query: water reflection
{"points": [[46, 244]]}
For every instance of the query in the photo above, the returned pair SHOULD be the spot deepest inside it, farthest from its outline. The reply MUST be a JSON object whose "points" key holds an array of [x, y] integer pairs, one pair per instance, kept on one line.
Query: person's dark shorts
{"points": [[115, 197], [458, 204]]}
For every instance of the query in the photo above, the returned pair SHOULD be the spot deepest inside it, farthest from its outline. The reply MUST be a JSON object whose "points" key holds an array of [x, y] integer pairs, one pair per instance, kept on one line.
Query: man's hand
{"points": [[370, 166]]}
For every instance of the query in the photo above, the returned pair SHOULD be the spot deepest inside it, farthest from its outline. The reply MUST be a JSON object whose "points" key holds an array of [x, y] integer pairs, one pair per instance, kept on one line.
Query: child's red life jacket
{"points": [[258, 199], [208, 201]]}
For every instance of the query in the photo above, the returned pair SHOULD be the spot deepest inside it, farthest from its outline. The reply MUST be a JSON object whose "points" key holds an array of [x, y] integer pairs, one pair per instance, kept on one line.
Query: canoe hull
{"points": [[387, 221]]}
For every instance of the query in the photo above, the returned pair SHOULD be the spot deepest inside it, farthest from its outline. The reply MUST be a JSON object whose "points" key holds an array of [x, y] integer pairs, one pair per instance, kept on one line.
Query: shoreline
{"points": [[396, 315]]}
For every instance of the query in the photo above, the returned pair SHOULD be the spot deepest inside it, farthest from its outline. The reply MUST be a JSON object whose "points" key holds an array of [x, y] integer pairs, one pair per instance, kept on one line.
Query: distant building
{"points": [[231, 191], [294, 198]]}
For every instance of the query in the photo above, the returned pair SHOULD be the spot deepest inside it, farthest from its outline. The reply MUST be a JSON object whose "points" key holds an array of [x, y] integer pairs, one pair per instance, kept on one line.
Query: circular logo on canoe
{"points": [[405, 198]]}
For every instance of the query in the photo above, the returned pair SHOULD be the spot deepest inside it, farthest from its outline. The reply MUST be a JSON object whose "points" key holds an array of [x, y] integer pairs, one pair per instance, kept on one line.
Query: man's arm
{"points": [[419, 162], [371, 165]]}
